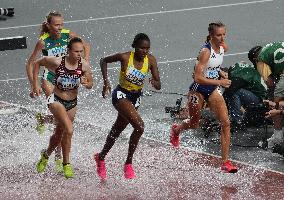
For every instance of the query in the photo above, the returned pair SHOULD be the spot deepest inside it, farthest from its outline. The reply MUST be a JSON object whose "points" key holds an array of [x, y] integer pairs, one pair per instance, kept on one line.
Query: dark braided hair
{"points": [[211, 29], [138, 38]]}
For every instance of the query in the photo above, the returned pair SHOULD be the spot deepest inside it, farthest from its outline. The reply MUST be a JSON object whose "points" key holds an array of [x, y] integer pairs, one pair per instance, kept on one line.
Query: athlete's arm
{"points": [[50, 63], [87, 78], [199, 71], [223, 74], [155, 80], [103, 63], [86, 45], [29, 66]]}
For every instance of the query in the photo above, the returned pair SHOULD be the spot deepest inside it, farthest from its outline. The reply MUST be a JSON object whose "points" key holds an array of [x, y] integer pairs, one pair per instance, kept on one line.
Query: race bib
{"points": [[134, 76], [57, 51], [193, 99], [212, 74]]}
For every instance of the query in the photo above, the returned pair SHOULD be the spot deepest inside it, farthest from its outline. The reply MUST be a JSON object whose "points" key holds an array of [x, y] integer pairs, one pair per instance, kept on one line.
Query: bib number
{"points": [[193, 99], [120, 95]]}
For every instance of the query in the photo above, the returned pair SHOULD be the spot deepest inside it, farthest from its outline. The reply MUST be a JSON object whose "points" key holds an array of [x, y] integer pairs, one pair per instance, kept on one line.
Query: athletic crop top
{"points": [[213, 65], [132, 79], [67, 79]]}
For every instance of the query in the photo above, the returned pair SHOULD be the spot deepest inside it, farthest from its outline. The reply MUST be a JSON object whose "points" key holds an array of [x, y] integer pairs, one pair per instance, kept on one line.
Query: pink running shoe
{"points": [[101, 167], [174, 138], [228, 167], [128, 171]]}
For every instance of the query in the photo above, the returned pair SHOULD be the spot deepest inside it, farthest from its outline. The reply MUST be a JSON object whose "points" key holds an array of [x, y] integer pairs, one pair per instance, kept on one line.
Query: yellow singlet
{"points": [[132, 79]]}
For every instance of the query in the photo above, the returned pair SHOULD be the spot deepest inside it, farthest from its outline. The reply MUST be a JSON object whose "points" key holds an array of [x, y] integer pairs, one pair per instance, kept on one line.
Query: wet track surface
{"points": [[162, 172]]}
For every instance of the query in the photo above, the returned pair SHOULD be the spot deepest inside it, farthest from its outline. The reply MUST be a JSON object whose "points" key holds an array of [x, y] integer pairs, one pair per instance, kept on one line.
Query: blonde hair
{"points": [[44, 27], [211, 29]]}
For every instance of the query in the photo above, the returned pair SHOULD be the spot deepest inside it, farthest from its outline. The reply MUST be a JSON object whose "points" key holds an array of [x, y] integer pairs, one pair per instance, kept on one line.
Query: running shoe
{"points": [[128, 171], [174, 138], [40, 123], [58, 165], [228, 167], [68, 171], [101, 167], [41, 165]]}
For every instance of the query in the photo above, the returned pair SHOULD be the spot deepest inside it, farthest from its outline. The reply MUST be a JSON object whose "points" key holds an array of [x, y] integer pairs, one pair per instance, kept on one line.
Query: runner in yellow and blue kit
{"points": [[52, 42], [126, 98]]}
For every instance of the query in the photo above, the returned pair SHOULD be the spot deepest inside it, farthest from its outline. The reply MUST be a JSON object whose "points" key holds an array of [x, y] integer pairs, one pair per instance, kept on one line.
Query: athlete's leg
{"points": [[217, 105], [119, 125], [195, 104], [63, 119], [126, 109], [47, 88]]}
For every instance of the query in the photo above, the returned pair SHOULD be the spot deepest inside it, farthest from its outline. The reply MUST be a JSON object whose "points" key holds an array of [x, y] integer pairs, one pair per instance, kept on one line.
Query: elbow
{"points": [[102, 62], [158, 87], [90, 86], [197, 79]]}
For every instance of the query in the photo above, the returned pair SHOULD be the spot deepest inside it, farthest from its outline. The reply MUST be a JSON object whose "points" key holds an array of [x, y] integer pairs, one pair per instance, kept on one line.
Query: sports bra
{"points": [[66, 79]]}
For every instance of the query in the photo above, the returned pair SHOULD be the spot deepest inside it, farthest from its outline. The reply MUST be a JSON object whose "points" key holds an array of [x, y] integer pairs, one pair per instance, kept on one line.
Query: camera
{"points": [[7, 12], [278, 148], [255, 115], [174, 110]]}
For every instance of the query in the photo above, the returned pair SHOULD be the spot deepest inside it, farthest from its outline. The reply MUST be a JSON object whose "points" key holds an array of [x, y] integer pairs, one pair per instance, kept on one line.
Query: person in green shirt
{"points": [[247, 89], [269, 62]]}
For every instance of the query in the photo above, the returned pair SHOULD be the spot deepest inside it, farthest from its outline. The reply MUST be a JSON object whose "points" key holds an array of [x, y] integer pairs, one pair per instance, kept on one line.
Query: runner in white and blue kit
{"points": [[205, 88], [211, 71]]}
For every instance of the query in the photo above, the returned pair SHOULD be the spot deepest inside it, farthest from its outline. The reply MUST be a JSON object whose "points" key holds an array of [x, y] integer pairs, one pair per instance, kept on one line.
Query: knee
{"points": [[114, 134], [69, 131], [139, 127], [225, 124], [59, 131]]}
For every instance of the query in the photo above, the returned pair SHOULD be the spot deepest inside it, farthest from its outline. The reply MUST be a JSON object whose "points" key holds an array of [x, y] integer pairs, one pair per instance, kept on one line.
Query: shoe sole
{"points": [[231, 172]]}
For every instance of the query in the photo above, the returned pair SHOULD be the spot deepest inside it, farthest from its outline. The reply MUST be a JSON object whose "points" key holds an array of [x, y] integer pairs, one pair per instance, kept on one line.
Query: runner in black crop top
{"points": [[66, 79], [70, 71]]}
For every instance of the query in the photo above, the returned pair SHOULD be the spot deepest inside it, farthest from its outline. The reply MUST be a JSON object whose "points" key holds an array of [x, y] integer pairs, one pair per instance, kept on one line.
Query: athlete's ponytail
{"points": [[44, 27], [211, 29]]}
